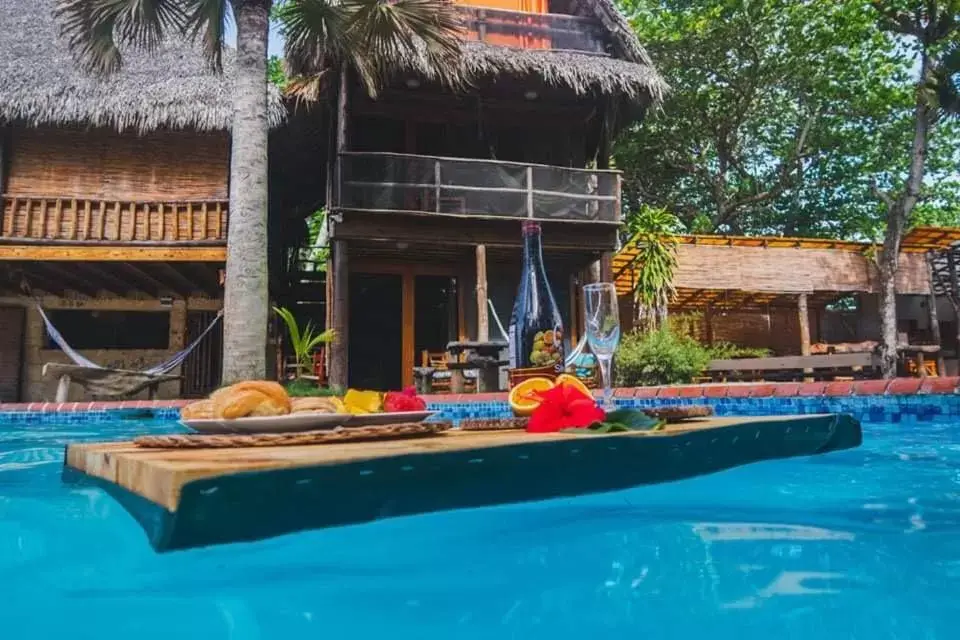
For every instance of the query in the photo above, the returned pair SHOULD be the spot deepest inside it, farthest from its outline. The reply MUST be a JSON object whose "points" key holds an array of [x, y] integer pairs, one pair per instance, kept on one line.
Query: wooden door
{"points": [[11, 352]]}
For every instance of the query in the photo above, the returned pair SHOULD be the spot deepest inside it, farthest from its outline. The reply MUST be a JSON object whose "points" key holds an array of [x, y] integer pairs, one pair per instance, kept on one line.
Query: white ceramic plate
{"points": [[380, 419], [306, 421]]}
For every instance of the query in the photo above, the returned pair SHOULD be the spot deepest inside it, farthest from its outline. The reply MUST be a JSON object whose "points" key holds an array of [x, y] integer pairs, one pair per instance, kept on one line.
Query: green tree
{"points": [[931, 31], [369, 35], [652, 232], [782, 115]]}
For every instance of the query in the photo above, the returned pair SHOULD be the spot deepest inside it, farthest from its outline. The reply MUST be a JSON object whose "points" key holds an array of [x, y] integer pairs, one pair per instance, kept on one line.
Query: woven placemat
{"points": [[493, 424], [679, 413], [330, 436]]}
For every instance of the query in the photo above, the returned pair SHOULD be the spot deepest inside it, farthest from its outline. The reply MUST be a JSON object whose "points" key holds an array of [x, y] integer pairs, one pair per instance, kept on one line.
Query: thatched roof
{"points": [[169, 88], [628, 75], [584, 73]]}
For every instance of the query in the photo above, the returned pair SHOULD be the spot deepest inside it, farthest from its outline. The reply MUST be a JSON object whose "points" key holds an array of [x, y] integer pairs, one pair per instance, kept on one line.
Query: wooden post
{"points": [[341, 300], [804, 318], [408, 319], [708, 320], [483, 315], [935, 318], [342, 99], [3, 179], [63, 389], [606, 267]]}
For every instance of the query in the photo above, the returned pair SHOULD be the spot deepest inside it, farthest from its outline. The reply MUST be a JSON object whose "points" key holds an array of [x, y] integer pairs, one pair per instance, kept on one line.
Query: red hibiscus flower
{"points": [[564, 407]]}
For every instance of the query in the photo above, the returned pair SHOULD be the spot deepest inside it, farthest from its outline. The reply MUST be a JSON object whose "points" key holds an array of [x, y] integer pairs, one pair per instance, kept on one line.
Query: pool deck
{"points": [[948, 385], [188, 497]]}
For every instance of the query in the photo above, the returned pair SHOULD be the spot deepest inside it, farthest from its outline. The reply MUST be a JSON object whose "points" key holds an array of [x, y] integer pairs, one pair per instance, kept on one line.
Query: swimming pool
{"points": [[854, 544]]}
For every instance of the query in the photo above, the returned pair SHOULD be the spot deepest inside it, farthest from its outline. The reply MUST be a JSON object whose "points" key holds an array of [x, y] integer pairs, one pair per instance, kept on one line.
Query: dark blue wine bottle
{"points": [[536, 330]]}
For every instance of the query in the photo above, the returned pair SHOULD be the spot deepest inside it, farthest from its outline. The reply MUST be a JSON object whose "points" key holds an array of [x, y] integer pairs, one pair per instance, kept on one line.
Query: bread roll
{"points": [[320, 405], [200, 410], [272, 390]]}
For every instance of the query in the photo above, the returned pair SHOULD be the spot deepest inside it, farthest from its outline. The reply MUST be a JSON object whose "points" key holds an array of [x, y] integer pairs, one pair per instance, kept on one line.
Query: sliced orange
{"points": [[573, 381], [523, 397]]}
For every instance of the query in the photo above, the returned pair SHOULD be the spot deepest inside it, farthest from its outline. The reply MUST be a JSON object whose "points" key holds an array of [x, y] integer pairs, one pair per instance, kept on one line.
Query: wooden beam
{"points": [[708, 321], [483, 316], [4, 161], [804, 319], [183, 285], [113, 283], [65, 275], [407, 337], [606, 266], [111, 253], [341, 321], [154, 285]]}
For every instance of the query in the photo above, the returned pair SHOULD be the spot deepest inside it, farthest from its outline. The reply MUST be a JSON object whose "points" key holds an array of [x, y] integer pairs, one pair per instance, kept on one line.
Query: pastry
{"points": [[253, 398], [200, 410], [320, 405]]}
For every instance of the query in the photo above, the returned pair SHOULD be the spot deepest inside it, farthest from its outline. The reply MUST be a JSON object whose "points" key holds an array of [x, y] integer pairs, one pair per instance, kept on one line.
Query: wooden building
{"points": [[428, 187], [791, 294], [114, 201]]}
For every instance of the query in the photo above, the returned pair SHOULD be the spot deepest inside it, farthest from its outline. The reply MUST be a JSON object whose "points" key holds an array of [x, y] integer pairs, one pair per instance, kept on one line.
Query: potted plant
{"points": [[303, 342]]}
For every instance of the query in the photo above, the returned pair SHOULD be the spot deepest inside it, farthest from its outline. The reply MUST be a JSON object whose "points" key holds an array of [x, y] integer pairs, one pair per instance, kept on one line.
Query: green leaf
{"points": [[621, 421]]}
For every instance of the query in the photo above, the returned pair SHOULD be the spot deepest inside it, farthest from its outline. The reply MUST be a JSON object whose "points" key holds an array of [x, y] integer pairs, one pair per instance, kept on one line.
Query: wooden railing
{"points": [[37, 217], [476, 188], [534, 30]]}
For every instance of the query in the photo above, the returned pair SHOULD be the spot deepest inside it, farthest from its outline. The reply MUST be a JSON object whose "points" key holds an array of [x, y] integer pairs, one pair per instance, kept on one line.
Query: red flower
{"points": [[564, 407]]}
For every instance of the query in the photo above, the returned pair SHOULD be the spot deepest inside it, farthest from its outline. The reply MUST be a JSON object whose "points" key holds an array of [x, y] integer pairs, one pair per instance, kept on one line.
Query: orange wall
{"points": [[531, 6]]}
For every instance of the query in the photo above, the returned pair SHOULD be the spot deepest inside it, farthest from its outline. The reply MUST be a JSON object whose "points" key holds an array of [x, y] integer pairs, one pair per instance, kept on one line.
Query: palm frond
{"points": [[207, 20], [96, 29], [313, 33], [381, 34]]}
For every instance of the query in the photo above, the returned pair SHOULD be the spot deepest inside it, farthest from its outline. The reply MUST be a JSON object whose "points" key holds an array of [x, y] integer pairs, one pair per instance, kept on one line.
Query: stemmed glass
{"points": [[603, 331]]}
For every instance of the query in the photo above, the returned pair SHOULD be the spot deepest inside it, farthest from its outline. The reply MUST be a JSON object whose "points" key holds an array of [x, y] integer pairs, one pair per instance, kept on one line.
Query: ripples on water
{"points": [[855, 544]]}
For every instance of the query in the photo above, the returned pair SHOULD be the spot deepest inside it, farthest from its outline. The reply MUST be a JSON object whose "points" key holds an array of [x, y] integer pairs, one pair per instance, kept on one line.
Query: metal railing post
{"points": [[436, 181], [529, 192]]}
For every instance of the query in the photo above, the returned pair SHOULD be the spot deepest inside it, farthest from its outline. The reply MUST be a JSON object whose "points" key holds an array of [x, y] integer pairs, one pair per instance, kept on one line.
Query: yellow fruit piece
{"points": [[523, 397], [360, 402], [338, 405], [573, 381]]}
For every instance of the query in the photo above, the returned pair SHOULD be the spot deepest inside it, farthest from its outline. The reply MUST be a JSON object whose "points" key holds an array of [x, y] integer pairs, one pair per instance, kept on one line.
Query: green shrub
{"points": [[300, 388], [660, 357], [729, 351]]}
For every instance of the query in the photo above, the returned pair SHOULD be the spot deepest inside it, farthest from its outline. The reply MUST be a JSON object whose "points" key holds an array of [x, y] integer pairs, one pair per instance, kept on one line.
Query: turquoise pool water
{"points": [[857, 544]]}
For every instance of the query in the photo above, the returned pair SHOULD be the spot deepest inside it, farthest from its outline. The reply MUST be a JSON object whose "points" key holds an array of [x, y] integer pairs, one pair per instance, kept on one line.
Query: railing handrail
{"points": [[480, 161], [586, 20], [34, 196]]}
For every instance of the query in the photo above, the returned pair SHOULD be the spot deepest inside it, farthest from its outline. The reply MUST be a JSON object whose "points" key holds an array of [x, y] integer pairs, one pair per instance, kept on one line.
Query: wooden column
{"points": [[708, 321], [408, 318], [483, 314], [606, 267], [935, 318], [341, 318], [3, 172], [954, 294], [804, 318], [342, 114]]}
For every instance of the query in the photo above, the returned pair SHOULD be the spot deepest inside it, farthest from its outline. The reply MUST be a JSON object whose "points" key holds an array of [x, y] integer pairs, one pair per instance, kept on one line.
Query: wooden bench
{"points": [[858, 365]]}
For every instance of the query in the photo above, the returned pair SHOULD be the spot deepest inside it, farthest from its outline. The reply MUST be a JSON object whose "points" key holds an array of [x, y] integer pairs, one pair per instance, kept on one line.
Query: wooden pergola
{"points": [[718, 274]]}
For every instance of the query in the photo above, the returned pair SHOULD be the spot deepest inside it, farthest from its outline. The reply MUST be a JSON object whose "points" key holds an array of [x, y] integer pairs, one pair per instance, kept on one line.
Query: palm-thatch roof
{"points": [[168, 88], [628, 75]]}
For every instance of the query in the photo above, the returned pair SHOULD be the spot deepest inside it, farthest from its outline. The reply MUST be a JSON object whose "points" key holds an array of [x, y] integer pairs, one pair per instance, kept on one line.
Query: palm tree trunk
{"points": [[246, 295]]}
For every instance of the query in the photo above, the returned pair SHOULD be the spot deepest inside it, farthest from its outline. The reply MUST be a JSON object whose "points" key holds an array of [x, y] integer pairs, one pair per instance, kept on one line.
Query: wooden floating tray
{"points": [[191, 498]]}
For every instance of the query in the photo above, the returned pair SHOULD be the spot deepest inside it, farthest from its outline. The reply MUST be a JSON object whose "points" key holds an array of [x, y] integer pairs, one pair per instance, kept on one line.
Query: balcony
{"points": [[58, 219], [402, 183], [534, 30]]}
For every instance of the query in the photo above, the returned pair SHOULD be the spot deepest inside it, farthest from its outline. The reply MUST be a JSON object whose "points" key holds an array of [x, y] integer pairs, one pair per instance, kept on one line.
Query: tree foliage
{"points": [[783, 116], [652, 232]]}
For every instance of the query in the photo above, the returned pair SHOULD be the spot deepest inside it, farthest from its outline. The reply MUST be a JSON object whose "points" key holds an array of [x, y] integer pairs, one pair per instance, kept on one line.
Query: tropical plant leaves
{"points": [[622, 420]]}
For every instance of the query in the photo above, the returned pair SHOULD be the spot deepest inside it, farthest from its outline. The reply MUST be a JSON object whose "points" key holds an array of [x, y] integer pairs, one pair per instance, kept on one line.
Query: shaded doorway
{"points": [[203, 368], [435, 315], [375, 349], [11, 352]]}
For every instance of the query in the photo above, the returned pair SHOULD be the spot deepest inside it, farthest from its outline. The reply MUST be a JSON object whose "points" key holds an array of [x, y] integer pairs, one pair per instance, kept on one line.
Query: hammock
{"points": [[161, 369]]}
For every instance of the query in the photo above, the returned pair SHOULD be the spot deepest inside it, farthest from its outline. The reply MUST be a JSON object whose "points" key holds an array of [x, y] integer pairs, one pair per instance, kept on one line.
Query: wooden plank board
{"points": [[115, 253], [187, 497]]}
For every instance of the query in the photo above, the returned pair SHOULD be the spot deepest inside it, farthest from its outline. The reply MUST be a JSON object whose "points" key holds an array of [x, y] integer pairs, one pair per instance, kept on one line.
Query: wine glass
{"points": [[603, 331]]}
